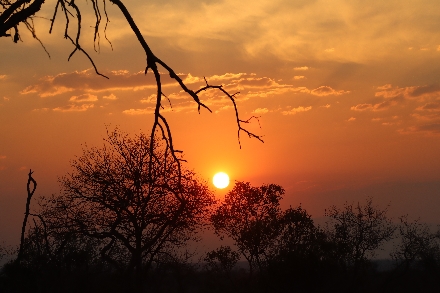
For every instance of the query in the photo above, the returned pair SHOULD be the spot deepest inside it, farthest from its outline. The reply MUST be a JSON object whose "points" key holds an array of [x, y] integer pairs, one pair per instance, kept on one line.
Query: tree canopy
{"points": [[134, 203]]}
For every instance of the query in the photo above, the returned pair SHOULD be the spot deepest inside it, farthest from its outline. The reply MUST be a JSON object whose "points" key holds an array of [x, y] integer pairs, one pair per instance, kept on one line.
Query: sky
{"points": [[347, 93]]}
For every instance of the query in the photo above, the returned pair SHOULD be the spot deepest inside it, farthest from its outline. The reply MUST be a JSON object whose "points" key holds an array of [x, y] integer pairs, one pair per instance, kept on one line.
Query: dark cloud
{"points": [[427, 89], [431, 107]]}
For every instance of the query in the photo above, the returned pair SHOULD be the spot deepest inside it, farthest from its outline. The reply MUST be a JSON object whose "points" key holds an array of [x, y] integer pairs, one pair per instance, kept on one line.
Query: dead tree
{"points": [[23, 11], [26, 214]]}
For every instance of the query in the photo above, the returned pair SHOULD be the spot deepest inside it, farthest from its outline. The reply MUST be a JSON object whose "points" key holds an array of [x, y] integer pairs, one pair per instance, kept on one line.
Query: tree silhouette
{"points": [[134, 203], [250, 216], [222, 260], [417, 244], [358, 231]]}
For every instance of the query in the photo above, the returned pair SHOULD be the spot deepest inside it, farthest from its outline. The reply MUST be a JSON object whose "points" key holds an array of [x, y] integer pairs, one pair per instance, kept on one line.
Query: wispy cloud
{"points": [[110, 97], [376, 107], [412, 92], [301, 68], [89, 81], [74, 108], [430, 107], [296, 110], [83, 98], [327, 91], [261, 111]]}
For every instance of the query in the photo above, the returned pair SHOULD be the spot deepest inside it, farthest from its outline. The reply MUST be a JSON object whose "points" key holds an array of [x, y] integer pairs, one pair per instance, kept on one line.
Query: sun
{"points": [[221, 180]]}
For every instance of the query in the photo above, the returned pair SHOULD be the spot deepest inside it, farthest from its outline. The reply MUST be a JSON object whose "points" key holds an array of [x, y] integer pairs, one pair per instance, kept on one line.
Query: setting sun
{"points": [[221, 180]]}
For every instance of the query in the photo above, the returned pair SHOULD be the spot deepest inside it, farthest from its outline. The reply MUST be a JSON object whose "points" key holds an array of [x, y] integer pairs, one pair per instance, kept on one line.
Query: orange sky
{"points": [[348, 94]]}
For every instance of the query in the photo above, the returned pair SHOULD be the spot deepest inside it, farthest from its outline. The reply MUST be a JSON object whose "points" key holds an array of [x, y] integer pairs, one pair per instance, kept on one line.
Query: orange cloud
{"points": [[430, 107], [83, 98], [376, 107], [74, 108], [411, 92], [110, 97], [261, 111], [299, 109], [89, 81], [302, 68], [428, 129], [228, 76], [327, 91]]}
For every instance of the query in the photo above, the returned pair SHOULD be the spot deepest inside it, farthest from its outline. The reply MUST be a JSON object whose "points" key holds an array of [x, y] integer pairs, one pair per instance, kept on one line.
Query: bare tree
{"points": [[30, 192], [136, 203], [358, 231], [417, 244], [22, 11]]}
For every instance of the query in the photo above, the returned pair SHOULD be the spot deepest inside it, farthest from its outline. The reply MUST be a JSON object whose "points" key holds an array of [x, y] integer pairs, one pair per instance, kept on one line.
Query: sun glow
{"points": [[221, 180]]}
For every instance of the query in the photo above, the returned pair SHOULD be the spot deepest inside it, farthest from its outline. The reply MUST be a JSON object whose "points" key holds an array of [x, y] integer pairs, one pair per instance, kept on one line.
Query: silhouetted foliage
{"points": [[250, 216], [222, 260], [65, 251], [417, 246], [133, 205], [358, 231]]}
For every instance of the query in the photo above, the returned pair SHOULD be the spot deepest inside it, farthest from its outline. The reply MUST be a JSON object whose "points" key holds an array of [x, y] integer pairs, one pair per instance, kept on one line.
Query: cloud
{"points": [[74, 108], [299, 109], [376, 107], [228, 76], [260, 111], [2, 157], [275, 91], [427, 117], [83, 98], [89, 81], [326, 106], [428, 129], [41, 110], [138, 111], [362, 107], [110, 97], [187, 106], [410, 92], [256, 82], [430, 107], [329, 50], [327, 91], [223, 108], [297, 77], [351, 119], [2, 76], [302, 68], [151, 99], [426, 90]]}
